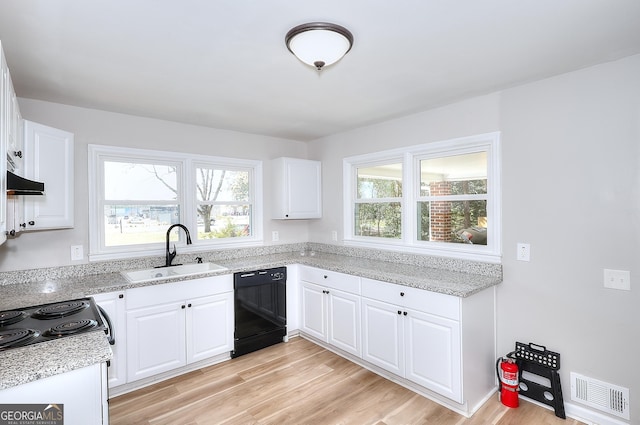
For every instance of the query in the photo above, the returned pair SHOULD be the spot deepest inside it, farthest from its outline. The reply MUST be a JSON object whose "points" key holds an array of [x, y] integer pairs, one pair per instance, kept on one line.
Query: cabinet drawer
{"points": [[416, 299], [170, 292], [335, 280]]}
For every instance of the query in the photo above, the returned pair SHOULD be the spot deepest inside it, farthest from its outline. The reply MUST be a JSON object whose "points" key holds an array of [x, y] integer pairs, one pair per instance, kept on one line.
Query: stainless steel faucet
{"points": [[171, 255]]}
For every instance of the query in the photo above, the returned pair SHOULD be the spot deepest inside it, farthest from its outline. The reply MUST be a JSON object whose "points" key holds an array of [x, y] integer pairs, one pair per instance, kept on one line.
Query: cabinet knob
{"points": [[17, 153], [405, 313], [23, 225], [399, 312], [286, 215], [325, 276], [183, 306], [189, 305], [32, 223], [11, 232], [402, 294], [121, 296]]}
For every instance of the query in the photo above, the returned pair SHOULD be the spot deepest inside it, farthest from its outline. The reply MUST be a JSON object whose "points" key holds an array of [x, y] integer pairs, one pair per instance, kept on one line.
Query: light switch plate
{"points": [[77, 253], [524, 252], [617, 279]]}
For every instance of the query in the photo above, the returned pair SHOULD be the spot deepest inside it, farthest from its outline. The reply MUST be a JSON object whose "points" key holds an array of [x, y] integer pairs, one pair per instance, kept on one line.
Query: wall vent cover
{"points": [[600, 395]]}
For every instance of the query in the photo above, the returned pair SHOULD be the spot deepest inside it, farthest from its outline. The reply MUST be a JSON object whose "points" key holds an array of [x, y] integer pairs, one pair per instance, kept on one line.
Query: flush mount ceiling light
{"points": [[319, 44]]}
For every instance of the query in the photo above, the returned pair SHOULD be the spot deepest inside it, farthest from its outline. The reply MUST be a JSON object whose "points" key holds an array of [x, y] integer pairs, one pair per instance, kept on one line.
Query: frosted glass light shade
{"points": [[319, 44]]}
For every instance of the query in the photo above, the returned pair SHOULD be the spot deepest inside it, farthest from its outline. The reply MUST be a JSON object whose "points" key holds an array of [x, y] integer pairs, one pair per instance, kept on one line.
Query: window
{"points": [[440, 198], [137, 194], [378, 204], [140, 200], [452, 203], [223, 202]]}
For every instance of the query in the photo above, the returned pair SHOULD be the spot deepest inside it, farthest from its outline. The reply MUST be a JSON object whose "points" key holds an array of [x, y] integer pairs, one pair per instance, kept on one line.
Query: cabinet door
{"points": [[298, 182], [4, 136], [48, 158], [81, 391], [15, 215], [155, 340], [382, 335], [113, 305], [209, 326], [16, 139], [314, 310], [344, 321], [433, 353]]}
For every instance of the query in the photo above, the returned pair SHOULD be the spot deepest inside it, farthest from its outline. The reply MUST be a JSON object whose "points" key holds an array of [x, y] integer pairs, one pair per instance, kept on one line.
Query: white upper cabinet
{"points": [[35, 152], [15, 137], [48, 158], [297, 188], [4, 136]]}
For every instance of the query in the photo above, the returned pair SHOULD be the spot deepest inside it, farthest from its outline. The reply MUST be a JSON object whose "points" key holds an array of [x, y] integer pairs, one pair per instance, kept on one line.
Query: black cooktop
{"points": [[31, 325]]}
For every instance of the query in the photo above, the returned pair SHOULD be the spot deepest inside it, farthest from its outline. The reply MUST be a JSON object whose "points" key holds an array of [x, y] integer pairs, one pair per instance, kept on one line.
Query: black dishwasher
{"points": [[260, 300]]}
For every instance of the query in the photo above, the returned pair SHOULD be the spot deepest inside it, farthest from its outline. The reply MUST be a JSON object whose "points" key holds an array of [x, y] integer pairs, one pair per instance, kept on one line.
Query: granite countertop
{"points": [[444, 281], [26, 364]]}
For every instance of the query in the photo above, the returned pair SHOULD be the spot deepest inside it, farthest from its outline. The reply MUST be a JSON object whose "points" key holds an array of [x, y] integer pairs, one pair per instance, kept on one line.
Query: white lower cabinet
{"points": [[383, 335], [328, 314], [82, 393], [332, 316], [113, 304], [157, 340], [175, 324], [209, 326], [420, 347], [412, 343], [432, 353], [437, 343]]}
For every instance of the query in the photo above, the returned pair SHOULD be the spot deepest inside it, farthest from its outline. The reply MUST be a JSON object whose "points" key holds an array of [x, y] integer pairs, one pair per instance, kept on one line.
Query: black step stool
{"points": [[537, 360]]}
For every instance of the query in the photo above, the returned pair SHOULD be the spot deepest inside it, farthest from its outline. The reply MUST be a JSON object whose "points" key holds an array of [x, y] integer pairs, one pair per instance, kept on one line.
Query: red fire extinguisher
{"points": [[507, 371]]}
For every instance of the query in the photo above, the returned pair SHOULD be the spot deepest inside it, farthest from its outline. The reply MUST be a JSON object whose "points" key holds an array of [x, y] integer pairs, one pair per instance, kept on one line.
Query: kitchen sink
{"points": [[148, 275]]}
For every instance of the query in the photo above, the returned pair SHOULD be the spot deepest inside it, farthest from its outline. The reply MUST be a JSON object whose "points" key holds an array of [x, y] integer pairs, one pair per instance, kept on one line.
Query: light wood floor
{"points": [[300, 383]]}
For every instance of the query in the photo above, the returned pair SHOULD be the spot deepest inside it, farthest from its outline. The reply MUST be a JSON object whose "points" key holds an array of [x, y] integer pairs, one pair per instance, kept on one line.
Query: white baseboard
{"points": [[583, 414], [145, 382]]}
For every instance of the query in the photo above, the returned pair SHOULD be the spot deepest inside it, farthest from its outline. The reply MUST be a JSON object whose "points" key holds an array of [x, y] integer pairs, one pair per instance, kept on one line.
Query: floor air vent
{"points": [[600, 395]]}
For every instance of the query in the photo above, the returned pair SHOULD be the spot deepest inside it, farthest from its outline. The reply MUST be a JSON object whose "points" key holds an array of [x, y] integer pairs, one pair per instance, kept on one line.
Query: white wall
{"points": [[571, 162], [571, 188], [52, 248], [473, 116]]}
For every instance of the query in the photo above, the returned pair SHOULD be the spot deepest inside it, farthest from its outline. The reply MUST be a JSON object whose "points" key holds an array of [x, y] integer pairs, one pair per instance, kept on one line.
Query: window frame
{"points": [[356, 200], [217, 165], [186, 200], [411, 157]]}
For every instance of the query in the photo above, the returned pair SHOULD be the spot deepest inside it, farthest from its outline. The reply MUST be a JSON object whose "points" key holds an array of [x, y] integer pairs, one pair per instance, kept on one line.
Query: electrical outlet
{"points": [[77, 253], [275, 236], [524, 252], [617, 279], [334, 235]]}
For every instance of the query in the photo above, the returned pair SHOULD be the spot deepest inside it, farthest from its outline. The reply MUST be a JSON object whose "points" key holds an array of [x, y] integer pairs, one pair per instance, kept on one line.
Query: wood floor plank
{"points": [[306, 393], [241, 398], [300, 383]]}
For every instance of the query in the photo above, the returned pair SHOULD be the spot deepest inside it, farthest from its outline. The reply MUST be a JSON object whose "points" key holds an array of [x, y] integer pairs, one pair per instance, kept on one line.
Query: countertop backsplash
{"points": [[113, 266]]}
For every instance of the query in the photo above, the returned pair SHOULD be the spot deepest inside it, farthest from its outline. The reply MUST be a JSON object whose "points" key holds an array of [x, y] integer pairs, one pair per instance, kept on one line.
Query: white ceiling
{"points": [[223, 63]]}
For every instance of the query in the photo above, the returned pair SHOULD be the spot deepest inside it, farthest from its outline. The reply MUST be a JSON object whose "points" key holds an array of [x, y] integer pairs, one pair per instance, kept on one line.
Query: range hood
{"points": [[17, 185]]}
